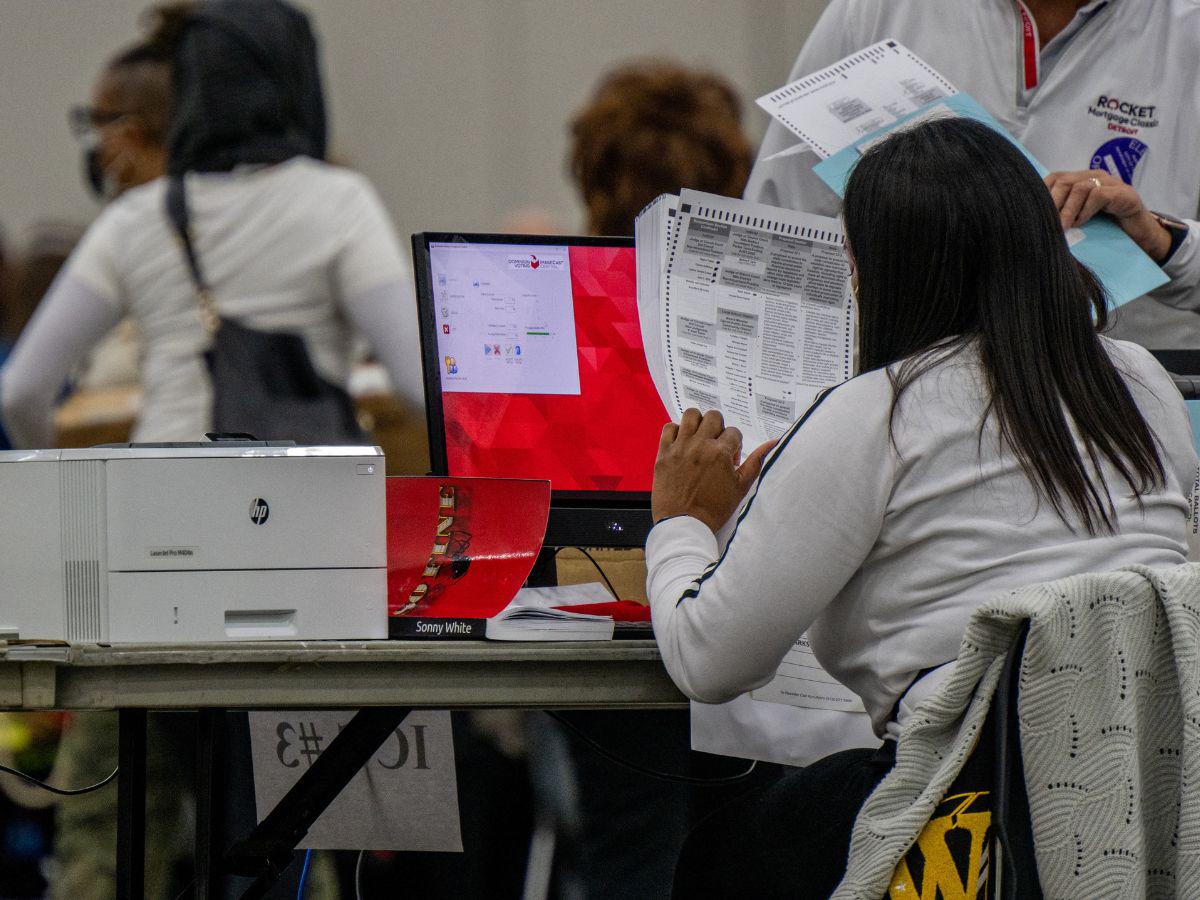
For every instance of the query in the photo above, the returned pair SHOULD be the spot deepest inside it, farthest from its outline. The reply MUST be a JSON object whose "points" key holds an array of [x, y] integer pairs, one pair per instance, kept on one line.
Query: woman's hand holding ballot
{"points": [[699, 471], [1079, 196]]}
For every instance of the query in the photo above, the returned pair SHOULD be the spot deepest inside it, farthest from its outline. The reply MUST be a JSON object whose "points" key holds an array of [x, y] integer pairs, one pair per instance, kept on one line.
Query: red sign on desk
{"points": [[459, 549]]}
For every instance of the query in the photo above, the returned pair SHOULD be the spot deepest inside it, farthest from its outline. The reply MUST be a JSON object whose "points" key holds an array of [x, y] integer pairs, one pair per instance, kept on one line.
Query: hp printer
{"points": [[192, 543]]}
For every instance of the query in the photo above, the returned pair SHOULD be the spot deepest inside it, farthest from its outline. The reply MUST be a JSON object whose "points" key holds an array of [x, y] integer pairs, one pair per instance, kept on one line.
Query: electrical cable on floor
{"points": [[577, 732], [358, 875], [303, 875], [62, 792]]}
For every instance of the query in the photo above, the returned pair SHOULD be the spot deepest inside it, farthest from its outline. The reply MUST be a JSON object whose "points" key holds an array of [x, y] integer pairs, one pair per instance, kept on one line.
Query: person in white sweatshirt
{"points": [[1095, 88], [993, 440]]}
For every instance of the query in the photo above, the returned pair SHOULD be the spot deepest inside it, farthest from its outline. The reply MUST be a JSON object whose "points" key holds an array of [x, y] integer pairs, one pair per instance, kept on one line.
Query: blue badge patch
{"points": [[1119, 157]]}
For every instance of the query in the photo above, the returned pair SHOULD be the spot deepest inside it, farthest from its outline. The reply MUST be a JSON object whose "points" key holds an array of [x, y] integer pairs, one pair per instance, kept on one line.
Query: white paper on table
{"points": [[802, 715], [563, 595], [867, 90], [775, 732], [802, 681], [755, 314]]}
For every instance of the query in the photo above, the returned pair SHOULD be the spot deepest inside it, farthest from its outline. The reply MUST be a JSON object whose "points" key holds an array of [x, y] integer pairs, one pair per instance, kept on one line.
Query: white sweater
{"points": [[1136, 54], [881, 546], [301, 247]]}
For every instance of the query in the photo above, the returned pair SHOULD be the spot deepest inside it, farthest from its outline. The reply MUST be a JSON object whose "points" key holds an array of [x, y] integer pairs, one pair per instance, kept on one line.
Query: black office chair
{"points": [[991, 778], [1014, 867], [1184, 367]]}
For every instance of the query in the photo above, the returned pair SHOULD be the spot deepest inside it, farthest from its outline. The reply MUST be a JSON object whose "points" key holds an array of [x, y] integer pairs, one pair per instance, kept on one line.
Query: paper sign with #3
{"points": [[405, 798]]}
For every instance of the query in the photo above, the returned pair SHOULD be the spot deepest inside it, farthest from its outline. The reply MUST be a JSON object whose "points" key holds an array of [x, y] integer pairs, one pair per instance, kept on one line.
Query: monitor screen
{"points": [[539, 366]]}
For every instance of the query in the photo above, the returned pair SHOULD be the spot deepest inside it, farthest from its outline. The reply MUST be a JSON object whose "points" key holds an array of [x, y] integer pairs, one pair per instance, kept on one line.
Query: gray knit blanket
{"points": [[1109, 712]]}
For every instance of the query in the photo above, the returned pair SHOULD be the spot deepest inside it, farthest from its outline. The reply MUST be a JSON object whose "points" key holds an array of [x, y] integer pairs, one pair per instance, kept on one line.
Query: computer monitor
{"points": [[534, 368]]}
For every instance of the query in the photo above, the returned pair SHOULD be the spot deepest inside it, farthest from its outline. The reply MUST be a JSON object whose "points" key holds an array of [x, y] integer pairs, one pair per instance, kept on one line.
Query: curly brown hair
{"points": [[651, 128]]}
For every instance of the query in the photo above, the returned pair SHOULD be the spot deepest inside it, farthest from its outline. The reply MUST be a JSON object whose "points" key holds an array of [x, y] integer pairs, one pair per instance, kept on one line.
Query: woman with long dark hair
{"points": [[993, 440]]}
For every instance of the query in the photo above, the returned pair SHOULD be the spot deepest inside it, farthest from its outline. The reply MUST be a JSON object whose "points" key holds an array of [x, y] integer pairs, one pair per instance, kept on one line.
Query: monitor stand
{"points": [[545, 569]]}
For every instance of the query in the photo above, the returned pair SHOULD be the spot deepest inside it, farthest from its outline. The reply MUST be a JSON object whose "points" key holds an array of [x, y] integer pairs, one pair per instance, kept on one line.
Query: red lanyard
{"points": [[1029, 45]]}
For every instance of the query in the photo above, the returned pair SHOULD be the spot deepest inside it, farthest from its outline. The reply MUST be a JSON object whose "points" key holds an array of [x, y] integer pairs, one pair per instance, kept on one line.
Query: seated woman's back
{"points": [[958, 519], [994, 441]]}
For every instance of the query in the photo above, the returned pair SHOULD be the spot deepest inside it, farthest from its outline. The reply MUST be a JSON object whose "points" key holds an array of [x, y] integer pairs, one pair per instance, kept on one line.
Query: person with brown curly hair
{"points": [[651, 128]]}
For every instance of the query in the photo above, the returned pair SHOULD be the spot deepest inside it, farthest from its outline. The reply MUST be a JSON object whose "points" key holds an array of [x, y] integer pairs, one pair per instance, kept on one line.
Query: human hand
{"points": [[1078, 196], [699, 471]]}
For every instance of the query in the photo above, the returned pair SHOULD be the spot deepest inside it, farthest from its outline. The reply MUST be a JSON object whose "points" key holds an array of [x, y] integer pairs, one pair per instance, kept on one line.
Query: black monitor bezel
{"points": [[627, 504]]}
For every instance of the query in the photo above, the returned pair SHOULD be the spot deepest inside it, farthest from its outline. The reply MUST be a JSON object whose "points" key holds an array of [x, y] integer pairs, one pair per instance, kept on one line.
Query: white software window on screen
{"points": [[505, 318]]}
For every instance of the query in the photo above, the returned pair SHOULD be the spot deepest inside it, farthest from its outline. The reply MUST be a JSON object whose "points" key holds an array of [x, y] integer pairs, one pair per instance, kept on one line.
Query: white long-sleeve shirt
{"points": [[1115, 90], [302, 247], [882, 543]]}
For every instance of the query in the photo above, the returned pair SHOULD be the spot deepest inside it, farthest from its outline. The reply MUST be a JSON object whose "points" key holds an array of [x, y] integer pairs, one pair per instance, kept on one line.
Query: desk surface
{"points": [[343, 674]]}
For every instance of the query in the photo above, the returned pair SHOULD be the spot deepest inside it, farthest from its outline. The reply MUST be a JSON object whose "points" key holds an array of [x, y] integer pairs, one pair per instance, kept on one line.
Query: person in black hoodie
{"points": [[293, 253]]}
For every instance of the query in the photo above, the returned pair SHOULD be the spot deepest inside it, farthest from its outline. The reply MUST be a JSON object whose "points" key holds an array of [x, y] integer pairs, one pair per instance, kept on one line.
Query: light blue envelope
{"points": [[1122, 267]]}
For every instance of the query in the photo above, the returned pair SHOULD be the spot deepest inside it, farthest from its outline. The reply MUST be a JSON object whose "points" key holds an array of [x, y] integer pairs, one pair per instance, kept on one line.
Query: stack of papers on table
{"points": [[537, 614]]}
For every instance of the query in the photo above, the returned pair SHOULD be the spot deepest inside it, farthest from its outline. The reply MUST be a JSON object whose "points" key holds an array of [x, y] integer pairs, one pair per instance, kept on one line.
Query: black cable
{"points": [[587, 739], [187, 890], [64, 792], [612, 590]]}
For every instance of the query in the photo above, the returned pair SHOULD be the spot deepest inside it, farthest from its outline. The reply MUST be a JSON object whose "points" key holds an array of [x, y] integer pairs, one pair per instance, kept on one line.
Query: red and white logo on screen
{"points": [[532, 261]]}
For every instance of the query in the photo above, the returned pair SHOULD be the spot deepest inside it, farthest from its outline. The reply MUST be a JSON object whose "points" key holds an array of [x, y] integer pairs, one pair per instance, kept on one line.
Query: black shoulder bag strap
{"points": [[177, 213]]}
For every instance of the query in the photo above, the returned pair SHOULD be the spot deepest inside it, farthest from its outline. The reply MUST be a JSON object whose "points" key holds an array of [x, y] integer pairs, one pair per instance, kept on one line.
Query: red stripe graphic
{"points": [[1030, 46]]}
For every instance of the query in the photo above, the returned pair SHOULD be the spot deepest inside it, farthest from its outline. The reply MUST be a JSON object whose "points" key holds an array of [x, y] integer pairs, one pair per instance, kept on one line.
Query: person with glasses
{"points": [[289, 245], [124, 127]]}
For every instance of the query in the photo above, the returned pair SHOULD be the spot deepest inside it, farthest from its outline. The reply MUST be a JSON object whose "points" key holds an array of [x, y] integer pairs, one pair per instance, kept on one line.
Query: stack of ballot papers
{"points": [[744, 308]]}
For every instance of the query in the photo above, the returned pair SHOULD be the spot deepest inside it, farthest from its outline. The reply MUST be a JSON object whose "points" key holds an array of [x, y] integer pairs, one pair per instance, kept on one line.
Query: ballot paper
{"points": [[862, 93], [802, 715], [801, 681], [744, 308], [653, 231], [845, 109]]}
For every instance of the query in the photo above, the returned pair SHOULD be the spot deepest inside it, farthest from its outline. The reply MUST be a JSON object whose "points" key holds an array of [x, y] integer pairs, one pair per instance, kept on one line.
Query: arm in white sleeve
{"points": [[1183, 290], [781, 178], [67, 324], [375, 289], [725, 621], [387, 316]]}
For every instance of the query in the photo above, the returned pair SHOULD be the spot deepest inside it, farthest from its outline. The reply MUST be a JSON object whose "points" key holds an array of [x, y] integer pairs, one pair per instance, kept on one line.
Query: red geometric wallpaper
{"points": [[604, 439]]}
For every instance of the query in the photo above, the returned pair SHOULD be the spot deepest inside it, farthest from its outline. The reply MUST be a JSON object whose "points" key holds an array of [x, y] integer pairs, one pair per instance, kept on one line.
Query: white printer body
{"points": [[193, 543]]}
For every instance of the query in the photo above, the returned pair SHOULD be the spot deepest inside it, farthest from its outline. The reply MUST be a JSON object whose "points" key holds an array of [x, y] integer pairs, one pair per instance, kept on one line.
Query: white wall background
{"points": [[456, 109]]}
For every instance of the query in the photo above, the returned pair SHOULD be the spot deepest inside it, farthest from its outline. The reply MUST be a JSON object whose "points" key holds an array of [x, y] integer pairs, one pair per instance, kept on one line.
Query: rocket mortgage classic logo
{"points": [[1124, 116]]}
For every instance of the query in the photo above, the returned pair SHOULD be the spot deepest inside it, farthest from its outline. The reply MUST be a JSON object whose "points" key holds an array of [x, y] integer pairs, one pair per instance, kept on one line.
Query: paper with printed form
{"points": [[752, 315], [801, 681], [653, 230], [862, 93]]}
